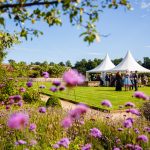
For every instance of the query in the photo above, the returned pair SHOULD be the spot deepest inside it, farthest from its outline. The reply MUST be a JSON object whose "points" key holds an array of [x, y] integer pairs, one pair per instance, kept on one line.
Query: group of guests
{"points": [[129, 80]]}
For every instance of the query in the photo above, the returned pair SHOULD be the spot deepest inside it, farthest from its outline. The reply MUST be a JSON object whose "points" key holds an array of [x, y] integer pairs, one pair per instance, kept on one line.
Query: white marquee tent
{"points": [[130, 64], [105, 65]]}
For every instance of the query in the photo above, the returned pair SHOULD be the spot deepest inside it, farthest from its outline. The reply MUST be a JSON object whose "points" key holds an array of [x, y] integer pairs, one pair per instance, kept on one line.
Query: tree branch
{"points": [[2, 6]]}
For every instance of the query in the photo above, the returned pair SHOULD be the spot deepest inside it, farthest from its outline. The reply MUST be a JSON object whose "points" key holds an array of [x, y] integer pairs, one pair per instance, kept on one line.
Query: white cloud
{"points": [[147, 46], [145, 5]]}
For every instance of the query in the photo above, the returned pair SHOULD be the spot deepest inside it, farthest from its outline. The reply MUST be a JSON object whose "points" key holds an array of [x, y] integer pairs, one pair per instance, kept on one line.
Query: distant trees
{"points": [[117, 61], [146, 62]]}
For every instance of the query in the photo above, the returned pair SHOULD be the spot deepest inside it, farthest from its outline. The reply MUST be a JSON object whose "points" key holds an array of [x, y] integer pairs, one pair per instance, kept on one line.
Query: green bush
{"points": [[146, 110], [53, 101], [31, 95]]}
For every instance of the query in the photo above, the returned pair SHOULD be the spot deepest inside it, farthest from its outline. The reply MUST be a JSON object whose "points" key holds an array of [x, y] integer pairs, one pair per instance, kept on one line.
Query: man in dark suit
{"points": [[135, 78]]}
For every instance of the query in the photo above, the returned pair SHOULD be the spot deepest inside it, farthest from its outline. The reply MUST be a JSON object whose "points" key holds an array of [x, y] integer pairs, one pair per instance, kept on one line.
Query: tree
{"points": [[146, 63], [117, 61], [68, 63], [61, 64], [6, 41], [83, 13]]}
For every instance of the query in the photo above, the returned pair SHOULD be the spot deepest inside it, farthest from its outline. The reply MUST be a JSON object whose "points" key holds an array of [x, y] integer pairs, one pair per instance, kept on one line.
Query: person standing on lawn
{"points": [[135, 77], [118, 82]]}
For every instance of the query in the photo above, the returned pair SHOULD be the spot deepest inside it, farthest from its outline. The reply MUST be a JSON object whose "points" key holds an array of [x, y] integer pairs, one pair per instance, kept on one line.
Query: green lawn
{"points": [[94, 95]]}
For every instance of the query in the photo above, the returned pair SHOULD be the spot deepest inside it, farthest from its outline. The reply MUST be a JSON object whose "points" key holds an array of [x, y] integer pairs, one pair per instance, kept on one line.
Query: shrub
{"points": [[53, 101], [146, 110], [31, 95]]}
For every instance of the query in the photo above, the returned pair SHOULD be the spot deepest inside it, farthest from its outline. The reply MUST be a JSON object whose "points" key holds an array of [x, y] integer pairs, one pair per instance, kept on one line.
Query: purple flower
{"points": [[29, 84], [137, 147], [87, 147], [21, 142], [55, 146], [42, 86], [33, 142], [133, 111], [53, 89], [22, 89], [129, 146], [45, 74], [2, 85], [56, 83], [32, 127], [116, 148], [143, 138], [61, 88], [120, 129], [17, 97], [7, 107], [67, 122], [20, 103], [73, 78], [42, 109], [11, 97], [64, 142], [95, 133], [127, 123], [147, 129], [129, 104], [2, 103], [81, 109], [106, 103], [141, 95], [136, 130], [11, 101], [18, 120]]}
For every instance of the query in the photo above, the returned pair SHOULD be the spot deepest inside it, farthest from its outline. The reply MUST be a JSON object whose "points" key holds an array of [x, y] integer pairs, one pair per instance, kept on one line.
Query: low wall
{"points": [[92, 83], [40, 79]]}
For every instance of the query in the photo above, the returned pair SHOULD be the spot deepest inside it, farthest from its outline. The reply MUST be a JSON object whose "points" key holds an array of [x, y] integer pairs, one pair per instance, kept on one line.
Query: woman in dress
{"points": [[118, 82], [127, 81]]}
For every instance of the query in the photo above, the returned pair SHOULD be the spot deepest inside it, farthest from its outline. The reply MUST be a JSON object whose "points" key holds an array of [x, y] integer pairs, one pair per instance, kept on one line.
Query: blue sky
{"points": [[129, 30]]}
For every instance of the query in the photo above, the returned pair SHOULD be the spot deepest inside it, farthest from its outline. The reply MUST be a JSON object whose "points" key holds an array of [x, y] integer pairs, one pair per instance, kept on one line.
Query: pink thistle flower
{"points": [[95, 133], [42, 109], [143, 138], [81, 109], [137, 147], [127, 123], [106, 103], [61, 88], [53, 89], [87, 147], [129, 104], [18, 120], [33, 142], [147, 129], [116, 148], [129, 146], [56, 83], [73, 78], [32, 127], [141, 95], [11, 101], [21, 142], [64, 142], [17, 97], [22, 89], [42, 86], [133, 111], [120, 129], [20, 103], [45, 74], [55, 146], [7, 107], [29, 84], [66, 123]]}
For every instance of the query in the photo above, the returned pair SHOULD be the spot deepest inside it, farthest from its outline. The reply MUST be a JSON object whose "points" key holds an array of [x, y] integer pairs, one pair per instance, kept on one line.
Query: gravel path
{"points": [[92, 112]]}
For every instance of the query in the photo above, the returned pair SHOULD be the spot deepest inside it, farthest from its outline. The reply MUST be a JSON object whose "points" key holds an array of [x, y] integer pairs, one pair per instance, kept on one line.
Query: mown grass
{"points": [[94, 95]]}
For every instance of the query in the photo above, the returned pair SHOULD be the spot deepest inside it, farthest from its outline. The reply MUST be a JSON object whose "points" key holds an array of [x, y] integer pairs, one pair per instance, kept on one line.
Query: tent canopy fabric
{"points": [[129, 64], [104, 66]]}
